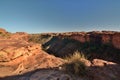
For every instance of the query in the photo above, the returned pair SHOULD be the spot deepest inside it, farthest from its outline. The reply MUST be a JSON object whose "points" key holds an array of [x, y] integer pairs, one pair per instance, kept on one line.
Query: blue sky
{"points": [[35, 16]]}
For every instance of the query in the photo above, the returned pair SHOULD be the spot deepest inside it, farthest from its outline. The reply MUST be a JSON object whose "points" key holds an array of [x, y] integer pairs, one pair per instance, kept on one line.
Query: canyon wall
{"points": [[104, 45], [104, 37]]}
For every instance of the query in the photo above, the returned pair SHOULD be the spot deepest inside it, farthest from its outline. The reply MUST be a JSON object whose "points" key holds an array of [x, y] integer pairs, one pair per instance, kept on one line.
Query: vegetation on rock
{"points": [[75, 65]]}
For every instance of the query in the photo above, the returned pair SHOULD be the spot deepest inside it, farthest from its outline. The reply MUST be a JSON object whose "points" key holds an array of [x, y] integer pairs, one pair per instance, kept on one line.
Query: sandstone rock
{"points": [[104, 70], [106, 38], [99, 62], [18, 57], [87, 62], [20, 36], [79, 37], [103, 37], [105, 43], [116, 40], [12, 50], [2, 30]]}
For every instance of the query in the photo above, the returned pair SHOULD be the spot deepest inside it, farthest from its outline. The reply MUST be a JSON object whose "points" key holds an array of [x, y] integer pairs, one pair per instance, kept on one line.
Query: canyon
{"points": [[26, 56]]}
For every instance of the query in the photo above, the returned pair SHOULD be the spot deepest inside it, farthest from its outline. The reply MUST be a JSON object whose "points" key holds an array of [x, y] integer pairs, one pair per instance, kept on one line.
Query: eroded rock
{"points": [[17, 58]]}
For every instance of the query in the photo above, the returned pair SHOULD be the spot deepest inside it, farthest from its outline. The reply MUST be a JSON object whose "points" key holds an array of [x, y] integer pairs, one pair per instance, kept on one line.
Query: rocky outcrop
{"points": [[3, 31], [18, 57], [20, 36], [97, 70], [104, 70], [104, 37], [12, 49], [101, 63], [79, 36]]}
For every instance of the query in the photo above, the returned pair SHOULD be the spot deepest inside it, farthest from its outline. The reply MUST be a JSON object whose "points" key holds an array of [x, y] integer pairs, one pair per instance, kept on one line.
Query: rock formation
{"points": [[96, 36], [3, 31], [102, 37], [19, 56], [98, 70], [23, 60], [104, 70], [104, 45], [20, 36]]}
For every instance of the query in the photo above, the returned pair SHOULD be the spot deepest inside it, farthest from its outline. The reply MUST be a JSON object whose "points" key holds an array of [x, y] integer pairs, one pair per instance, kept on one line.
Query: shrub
{"points": [[76, 56], [74, 64]]}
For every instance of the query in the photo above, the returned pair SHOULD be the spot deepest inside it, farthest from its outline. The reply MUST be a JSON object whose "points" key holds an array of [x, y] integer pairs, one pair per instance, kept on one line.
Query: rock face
{"points": [[116, 40], [102, 37], [17, 57], [104, 45], [98, 37], [12, 49]]}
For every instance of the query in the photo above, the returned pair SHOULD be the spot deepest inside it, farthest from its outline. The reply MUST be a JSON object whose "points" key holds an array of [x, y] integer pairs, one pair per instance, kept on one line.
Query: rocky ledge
{"points": [[18, 57]]}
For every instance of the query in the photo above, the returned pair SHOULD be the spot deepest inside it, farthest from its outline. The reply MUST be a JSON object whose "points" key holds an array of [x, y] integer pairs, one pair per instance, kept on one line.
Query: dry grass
{"points": [[76, 56], [74, 64]]}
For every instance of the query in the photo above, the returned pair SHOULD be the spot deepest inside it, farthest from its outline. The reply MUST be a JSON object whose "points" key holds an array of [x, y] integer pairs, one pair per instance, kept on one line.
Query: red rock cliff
{"points": [[103, 37]]}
